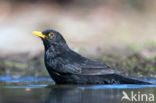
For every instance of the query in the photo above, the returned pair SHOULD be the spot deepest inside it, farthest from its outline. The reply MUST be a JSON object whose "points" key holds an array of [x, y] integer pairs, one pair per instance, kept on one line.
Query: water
{"points": [[43, 90]]}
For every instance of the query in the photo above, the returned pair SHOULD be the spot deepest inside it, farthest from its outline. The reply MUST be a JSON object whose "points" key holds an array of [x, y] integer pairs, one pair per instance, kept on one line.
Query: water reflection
{"points": [[75, 95], [102, 95], [67, 94]]}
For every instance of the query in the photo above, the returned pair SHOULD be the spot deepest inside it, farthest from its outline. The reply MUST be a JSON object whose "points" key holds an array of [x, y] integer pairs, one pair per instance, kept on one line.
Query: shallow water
{"points": [[43, 90]]}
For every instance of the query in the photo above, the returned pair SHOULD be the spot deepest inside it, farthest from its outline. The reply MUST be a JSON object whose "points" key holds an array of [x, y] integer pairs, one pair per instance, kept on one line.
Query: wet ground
{"points": [[43, 90]]}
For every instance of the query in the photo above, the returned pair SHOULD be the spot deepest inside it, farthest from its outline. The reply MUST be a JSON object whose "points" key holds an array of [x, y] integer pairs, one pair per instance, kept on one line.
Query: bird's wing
{"points": [[85, 66], [69, 69], [92, 67], [88, 63]]}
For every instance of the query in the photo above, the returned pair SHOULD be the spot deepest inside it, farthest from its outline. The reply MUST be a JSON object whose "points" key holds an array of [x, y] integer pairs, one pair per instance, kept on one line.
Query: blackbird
{"points": [[66, 66]]}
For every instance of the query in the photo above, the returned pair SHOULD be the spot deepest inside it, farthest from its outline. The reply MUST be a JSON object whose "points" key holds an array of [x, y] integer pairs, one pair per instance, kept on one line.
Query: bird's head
{"points": [[51, 38]]}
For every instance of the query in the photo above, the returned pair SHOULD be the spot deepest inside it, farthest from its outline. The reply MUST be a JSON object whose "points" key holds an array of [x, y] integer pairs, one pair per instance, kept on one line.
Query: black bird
{"points": [[68, 67]]}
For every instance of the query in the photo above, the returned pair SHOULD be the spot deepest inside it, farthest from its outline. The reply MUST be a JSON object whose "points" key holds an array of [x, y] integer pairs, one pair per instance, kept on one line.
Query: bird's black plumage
{"points": [[66, 66]]}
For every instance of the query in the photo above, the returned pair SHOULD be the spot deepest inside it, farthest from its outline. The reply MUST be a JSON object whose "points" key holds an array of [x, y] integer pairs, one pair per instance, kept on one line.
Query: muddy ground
{"points": [[135, 63]]}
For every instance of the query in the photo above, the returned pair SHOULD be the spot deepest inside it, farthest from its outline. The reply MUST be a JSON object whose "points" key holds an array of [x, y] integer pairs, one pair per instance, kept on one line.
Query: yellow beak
{"points": [[37, 33]]}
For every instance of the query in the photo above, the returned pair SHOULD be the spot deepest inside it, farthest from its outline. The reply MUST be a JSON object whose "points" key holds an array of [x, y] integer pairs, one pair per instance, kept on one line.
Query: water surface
{"points": [[43, 90]]}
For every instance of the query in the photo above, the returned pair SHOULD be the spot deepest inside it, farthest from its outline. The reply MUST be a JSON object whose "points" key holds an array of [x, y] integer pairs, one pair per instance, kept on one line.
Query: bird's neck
{"points": [[54, 50]]}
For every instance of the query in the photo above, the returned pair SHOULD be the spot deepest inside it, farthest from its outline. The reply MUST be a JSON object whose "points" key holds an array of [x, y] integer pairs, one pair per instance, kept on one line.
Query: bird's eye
{"points": [[51, 35]]}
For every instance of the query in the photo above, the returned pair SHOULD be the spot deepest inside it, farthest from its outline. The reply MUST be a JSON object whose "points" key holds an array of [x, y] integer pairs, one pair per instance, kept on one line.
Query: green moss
{"points": [[135, 48]]}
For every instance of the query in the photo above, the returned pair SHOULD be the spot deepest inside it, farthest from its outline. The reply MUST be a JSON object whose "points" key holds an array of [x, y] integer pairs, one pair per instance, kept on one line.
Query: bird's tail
{"points": [[128, 80]]}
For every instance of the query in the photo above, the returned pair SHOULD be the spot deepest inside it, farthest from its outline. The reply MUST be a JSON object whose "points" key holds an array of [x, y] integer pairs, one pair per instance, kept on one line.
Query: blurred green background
{"points": [[120, 33]]}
